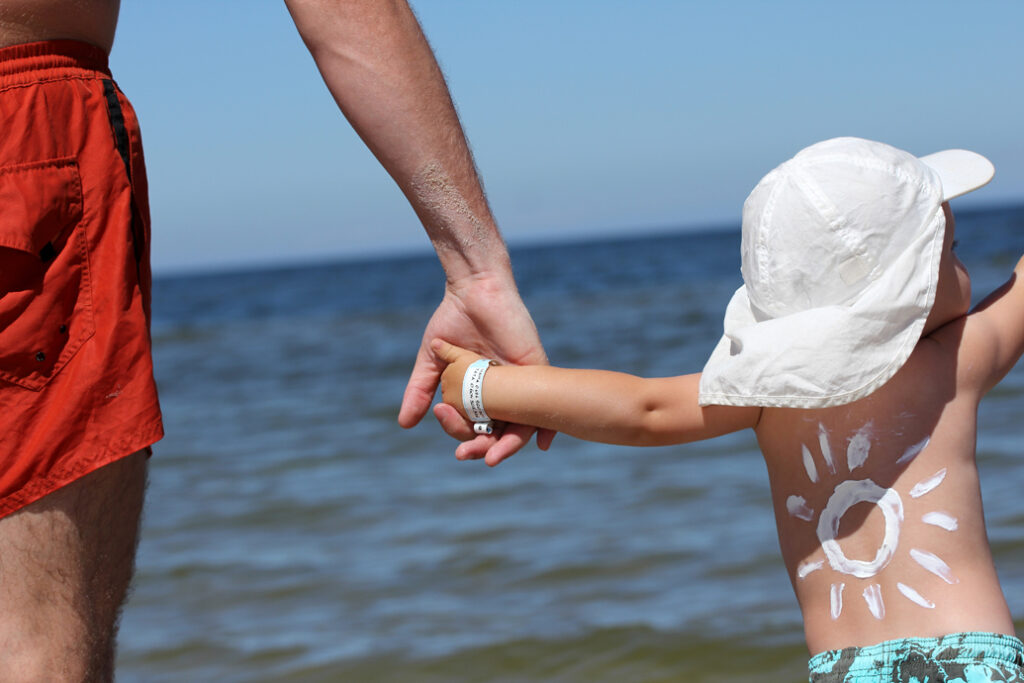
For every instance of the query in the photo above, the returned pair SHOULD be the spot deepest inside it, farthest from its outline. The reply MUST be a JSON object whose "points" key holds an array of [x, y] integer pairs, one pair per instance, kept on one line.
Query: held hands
{"points": [[485, 314], [458, 360]]}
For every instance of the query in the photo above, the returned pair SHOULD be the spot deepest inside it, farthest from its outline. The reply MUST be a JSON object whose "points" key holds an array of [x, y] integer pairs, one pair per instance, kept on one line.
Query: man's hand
{"points": [[486, 315]]}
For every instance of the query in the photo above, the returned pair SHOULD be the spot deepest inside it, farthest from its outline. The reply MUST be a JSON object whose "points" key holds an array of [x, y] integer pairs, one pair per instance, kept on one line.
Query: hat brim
{"points": [[830, 355], [961, 171]]}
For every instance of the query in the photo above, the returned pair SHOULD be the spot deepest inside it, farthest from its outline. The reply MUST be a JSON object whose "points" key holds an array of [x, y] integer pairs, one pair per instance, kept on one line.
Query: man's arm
{"points": [[596, 405], [383, 75]]}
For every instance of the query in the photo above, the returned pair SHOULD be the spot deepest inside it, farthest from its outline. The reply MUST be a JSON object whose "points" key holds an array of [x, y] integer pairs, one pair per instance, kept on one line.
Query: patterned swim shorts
{"points": [[955, 658]]}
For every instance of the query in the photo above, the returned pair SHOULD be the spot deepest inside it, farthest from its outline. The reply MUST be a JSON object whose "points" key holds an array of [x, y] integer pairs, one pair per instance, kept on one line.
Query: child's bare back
{"points": [[879, 510]]}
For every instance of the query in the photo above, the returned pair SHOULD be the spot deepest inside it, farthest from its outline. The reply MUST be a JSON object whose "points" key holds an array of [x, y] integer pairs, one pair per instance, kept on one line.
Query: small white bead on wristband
{"points": [[473, 395]]}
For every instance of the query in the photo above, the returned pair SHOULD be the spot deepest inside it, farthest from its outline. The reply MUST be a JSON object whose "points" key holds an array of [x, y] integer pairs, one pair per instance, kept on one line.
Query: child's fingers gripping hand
{"points": [[458, 359]]}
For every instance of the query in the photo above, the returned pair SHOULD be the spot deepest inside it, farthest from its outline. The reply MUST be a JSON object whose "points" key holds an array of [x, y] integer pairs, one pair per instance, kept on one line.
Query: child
{"points": [[850, 353]]}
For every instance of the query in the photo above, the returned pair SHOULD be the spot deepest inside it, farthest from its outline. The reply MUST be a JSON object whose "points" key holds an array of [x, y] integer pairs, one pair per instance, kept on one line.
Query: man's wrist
{"points": [[470, 270], [495, 284]]}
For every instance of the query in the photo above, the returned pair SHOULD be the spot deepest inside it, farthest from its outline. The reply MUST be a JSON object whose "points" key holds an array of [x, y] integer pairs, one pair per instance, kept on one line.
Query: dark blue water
{"points": [[294, 532]]}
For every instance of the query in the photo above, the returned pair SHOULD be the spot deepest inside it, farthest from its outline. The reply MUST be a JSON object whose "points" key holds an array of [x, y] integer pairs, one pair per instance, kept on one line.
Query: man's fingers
{"points": [[419, 392], [474, 446], [493, 448], [475, 449], [544, 438], [415, 404], [513, 439], [452, 423]]}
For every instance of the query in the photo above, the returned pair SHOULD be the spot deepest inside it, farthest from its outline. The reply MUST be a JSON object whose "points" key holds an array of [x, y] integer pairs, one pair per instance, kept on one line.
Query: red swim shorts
{"points": [[76, 375]]}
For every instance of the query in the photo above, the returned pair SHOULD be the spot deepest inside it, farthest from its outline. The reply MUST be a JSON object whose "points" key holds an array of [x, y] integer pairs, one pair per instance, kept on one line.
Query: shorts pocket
{"points": [[45, 296]]}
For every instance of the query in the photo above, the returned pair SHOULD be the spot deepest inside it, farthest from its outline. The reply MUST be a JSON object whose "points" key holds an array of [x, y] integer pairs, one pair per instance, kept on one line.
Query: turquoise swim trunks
{"points": [[956, 658]]}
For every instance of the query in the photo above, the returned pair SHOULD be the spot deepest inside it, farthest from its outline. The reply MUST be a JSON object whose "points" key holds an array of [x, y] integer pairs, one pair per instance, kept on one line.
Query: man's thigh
{"points": [[66, 562]]}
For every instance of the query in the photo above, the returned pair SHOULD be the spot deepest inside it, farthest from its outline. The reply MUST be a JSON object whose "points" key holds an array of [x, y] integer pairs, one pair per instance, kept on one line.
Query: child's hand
{"points": [[458, 359]]}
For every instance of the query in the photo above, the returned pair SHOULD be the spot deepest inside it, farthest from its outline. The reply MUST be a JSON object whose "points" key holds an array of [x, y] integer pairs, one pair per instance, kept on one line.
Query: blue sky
{"points": [[586, 118]]}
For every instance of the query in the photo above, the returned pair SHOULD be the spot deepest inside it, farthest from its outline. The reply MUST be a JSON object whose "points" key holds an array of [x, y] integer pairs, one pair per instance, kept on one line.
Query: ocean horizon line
{"points": [[415, 252]]}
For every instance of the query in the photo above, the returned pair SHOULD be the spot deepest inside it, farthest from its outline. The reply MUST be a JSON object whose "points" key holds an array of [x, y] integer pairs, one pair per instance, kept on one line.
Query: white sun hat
{"points": [[840, 259]]}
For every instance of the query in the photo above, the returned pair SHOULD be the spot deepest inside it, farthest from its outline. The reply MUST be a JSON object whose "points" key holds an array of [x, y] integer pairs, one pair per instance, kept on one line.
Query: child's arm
{"points": [[993, 336], [595, 405]]}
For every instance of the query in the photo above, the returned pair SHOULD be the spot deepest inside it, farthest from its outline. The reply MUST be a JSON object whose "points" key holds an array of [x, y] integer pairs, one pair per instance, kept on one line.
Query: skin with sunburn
{"points": [[877, 502]]}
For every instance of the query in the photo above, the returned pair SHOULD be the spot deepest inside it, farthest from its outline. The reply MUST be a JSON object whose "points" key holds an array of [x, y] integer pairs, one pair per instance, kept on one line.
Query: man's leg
{"points": [[65, 565]]}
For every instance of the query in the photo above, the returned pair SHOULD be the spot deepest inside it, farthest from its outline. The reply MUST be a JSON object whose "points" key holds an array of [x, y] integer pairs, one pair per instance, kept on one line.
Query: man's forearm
{"points": [[384, 77]]}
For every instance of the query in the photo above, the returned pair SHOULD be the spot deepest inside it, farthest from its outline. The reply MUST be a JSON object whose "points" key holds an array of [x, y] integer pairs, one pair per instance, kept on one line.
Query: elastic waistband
{"points": [[955, 648], [50, 58]]}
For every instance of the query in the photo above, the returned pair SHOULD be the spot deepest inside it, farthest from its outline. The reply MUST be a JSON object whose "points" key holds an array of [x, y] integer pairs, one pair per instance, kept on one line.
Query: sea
{"points": [[294, 532]]}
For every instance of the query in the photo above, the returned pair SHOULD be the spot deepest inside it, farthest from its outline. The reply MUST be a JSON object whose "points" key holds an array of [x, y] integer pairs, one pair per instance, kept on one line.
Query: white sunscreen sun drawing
{"points": [[852, 491]]}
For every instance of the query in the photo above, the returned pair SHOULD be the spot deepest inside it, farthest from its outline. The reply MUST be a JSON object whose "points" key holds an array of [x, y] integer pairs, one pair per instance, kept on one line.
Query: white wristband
{"points": [[473, 390]]}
